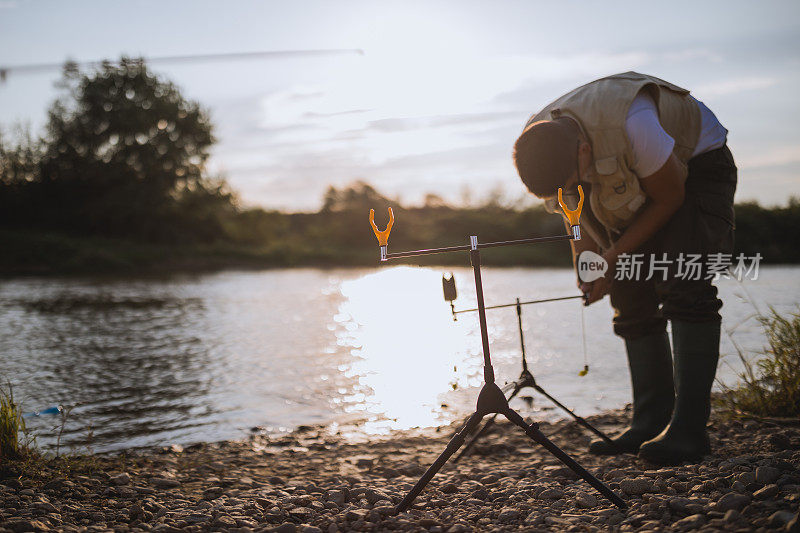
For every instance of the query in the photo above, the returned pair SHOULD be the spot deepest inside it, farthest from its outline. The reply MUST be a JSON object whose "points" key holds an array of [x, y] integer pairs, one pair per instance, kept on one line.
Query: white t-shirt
{"points": [[651, 145]]}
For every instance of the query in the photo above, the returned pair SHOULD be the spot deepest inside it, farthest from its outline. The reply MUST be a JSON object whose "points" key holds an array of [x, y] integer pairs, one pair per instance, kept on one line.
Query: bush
{"points": [[771, 386]]}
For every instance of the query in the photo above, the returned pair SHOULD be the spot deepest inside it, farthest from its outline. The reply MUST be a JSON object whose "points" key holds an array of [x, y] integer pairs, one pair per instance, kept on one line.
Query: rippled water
{"points": [[207, 357]]}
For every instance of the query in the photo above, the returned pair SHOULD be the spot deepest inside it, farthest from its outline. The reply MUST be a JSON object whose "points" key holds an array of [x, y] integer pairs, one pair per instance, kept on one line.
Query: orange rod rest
{"points": [[573, 216], [382, 236]]}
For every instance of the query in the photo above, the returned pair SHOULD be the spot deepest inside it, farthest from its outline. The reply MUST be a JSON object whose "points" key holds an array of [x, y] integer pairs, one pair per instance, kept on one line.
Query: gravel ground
{"points": [[312, 481]]}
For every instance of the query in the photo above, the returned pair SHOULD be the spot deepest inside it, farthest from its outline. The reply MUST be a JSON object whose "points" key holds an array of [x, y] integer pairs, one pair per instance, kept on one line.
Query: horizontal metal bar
{"points": [[393, 255], [466, 247], [521, 303], [526, 241]]}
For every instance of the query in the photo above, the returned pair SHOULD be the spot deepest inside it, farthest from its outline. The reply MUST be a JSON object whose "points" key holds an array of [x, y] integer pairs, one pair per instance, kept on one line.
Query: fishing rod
{"points": [[491, 399], [526, 377], [34, 68]]}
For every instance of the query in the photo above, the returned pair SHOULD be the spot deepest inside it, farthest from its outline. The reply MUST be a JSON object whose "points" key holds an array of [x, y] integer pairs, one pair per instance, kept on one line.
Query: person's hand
{"points": [[597, 289]]}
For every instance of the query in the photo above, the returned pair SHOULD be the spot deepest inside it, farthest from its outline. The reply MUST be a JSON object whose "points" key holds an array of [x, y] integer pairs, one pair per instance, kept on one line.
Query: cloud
{"points": [[692, 55], [771, 157], [736, 85], [315, 114], [437, 121]]}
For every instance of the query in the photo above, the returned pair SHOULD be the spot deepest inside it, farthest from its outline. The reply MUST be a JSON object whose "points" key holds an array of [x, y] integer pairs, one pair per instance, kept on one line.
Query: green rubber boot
{"points": [[696, 349], [650, 363]]}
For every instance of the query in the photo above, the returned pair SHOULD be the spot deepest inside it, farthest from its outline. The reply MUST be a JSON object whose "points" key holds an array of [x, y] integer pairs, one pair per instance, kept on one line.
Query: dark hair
{"points": [[546, 154]]}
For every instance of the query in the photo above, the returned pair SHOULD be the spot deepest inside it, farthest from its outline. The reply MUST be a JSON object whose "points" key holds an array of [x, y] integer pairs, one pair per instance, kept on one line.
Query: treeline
{"points": [[118, 182], [339, 235]]}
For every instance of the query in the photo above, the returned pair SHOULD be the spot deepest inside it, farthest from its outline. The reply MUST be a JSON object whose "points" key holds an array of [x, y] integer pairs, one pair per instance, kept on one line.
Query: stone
{"points": [[374, 496], [765, 493], [121, 479], [305, 528], [556, 523], [300, 513], [584, 500], [694, 521], [636, 486], [780, 441], [480, 494], [780, 518], [355, 514], [47, 507], [12, 483], [457, 528], [737, 485], [794, 524], [732, 515], [222, 521], [508, 514], [679, 505], [732, 500], [286, 527], [449, 488], [164, 483], [551, 494], [766, 475], [339, 497], [364, 462], [19, 526]]}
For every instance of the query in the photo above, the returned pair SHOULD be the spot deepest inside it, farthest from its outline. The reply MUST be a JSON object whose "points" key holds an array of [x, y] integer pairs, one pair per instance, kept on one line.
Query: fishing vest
{"points": [[601, 108]]}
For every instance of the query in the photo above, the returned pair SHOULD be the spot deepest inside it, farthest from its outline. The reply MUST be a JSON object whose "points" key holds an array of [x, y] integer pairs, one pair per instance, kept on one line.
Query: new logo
{"points": [[591, 266]]}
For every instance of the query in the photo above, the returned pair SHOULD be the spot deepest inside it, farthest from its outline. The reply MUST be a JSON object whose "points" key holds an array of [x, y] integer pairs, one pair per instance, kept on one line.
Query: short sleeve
{"points": [[651, 145]]}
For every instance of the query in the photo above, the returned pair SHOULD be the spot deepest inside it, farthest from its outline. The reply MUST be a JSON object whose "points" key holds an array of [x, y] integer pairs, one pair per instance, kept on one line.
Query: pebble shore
{"points": [[314, 480]]}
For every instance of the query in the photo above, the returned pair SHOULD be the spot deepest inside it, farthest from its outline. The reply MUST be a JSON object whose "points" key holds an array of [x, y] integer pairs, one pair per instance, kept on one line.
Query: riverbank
{"points": [[316, 480]]}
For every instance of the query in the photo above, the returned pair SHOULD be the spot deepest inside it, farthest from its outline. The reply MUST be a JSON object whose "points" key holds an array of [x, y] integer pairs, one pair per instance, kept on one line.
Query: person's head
{"points": [[551, 154]]}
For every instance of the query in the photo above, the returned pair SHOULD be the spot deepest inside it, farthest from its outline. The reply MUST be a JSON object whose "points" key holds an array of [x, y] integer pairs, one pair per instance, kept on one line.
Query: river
{"points": [[206, 357]]}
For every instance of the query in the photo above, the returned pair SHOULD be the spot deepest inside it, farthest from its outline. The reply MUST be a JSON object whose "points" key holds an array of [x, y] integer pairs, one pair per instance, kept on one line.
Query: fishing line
{"points": [[583, 339]]}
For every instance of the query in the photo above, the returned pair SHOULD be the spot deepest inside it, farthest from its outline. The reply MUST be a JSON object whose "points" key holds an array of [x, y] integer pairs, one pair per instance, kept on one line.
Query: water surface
{"points": [[208, 357]]}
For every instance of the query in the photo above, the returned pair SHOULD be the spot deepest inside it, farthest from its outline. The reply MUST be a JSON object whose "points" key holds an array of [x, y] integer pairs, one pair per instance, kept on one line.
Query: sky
{"points": [[440, 93]]}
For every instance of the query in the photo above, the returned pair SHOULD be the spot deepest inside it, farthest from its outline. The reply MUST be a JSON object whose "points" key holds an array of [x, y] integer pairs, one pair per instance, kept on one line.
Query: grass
{"points": [[11, 426], [770, 386], [19, 456]]}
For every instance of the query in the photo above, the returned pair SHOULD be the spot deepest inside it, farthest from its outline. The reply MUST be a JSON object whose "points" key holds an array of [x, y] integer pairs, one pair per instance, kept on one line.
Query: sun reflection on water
{"points": [[407, 351]]}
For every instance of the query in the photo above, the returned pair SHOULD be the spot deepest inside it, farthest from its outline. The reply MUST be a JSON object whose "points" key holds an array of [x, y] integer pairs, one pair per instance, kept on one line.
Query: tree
{"points": [[19, 168], [357, 196], [122, 150]]}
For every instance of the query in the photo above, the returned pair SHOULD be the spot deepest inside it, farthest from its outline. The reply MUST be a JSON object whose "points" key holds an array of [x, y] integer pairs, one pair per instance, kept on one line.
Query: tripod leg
{"points": [[455, 443], [489, 423], [533, 432], [577, 418]]}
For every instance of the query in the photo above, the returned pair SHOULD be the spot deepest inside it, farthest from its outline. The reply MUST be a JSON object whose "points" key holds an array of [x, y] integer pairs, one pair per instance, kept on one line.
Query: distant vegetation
{"points": [[118, 182]]}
